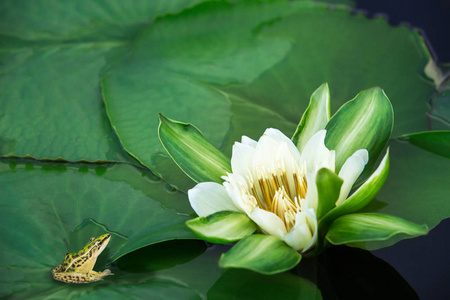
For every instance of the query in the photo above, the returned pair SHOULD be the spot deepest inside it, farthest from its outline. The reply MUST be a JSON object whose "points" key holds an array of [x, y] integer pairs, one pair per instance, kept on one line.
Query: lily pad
{"points": [[52, 58], [255, 67], [48, 210]]}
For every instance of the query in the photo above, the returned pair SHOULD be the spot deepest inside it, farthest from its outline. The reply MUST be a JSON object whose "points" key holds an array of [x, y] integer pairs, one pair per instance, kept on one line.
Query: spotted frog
{"points": [[78, 267]]}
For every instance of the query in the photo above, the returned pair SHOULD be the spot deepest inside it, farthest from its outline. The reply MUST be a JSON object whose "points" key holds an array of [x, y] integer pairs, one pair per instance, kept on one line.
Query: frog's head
{"points": [[97, 244]]}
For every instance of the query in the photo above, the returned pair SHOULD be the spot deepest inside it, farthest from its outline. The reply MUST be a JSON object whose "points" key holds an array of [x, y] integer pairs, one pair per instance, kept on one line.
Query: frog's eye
{"points": [[91, 239]]}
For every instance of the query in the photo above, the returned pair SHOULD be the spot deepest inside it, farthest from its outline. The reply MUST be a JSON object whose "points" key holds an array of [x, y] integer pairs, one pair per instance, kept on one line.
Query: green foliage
{"points": [[51, 209], [84, 81]]}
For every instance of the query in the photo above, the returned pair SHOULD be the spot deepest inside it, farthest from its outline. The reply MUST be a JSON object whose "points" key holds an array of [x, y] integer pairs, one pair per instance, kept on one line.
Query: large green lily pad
{"points": [[254, 67], [52, 58], [48, 210]]}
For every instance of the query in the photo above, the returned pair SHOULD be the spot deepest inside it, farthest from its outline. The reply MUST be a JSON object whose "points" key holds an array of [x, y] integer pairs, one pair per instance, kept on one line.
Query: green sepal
{"points": [[197, 157], [362, 196], [366, 227], [328, 189], [264, 254], [365, 122], [437, 142], [222, 227], [315, 117]]}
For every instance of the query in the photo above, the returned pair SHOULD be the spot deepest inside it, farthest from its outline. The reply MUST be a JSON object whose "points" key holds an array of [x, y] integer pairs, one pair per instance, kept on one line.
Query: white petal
{"points": [[248, 141], [282, 139], [331, 162], [268, 222], [209, 197], [312, 196], [298, 237], [316, 154], [242, 159], [364, 154], [265, 152], [350, 171], [304, 234], [286, 162], [236, 187], [312, 221]]}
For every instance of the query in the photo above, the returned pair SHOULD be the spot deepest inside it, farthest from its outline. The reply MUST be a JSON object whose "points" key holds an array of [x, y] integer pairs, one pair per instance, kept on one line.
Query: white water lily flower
{"points": [[275, 185]]}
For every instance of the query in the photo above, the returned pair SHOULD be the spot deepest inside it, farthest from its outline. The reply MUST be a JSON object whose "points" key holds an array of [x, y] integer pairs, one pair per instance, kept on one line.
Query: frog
{"points": [[78, 267]]}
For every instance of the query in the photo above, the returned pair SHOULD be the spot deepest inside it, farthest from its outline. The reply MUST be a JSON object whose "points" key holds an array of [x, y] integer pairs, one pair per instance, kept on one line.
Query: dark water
{"points": [[432, 16], [424, 262]]}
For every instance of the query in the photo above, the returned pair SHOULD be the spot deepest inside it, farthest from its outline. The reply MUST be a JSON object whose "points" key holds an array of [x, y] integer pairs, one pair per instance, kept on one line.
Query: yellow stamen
{"points": [[272, 192]]}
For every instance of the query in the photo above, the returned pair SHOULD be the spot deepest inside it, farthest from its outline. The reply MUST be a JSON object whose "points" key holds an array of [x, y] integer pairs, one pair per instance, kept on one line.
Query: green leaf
{"points": [[437, 142], [264, 254], [197, 157], [222, 227], [51, 209], [366, 227], [363, 123], [417, 188], [113, 19], [362, 196], [35, 116], [50, 75], [315, 117], [328, 189]]}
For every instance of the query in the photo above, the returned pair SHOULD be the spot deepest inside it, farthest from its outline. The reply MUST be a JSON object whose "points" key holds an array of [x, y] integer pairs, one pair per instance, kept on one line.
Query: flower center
{"points": [[278, 191]]}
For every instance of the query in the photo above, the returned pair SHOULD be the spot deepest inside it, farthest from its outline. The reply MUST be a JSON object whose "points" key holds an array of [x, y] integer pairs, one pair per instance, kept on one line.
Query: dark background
{"points": [[424, 261], [431, 16]]}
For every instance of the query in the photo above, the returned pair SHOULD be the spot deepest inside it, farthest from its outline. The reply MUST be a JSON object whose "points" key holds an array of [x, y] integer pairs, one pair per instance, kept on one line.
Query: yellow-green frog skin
{"points": [[78, 267]]}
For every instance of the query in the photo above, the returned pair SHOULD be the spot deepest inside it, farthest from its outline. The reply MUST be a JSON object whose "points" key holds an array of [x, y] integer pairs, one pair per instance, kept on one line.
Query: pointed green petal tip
{"points": [[328, 189], [365, 122], [363, 195], [366, 227], [315, 117], [197, 157], [222, 227]]}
